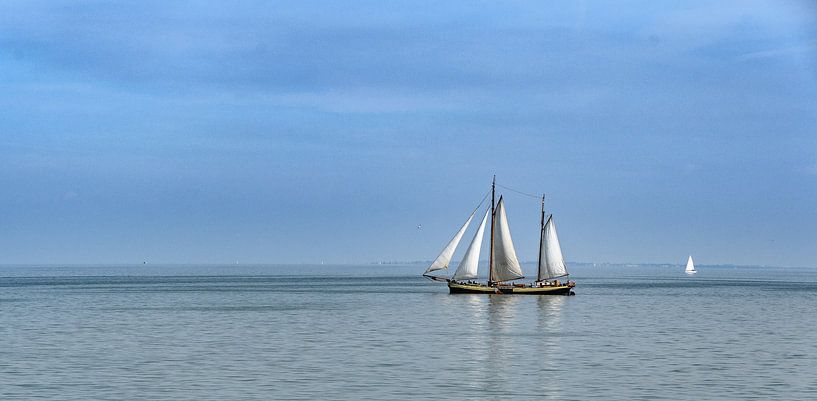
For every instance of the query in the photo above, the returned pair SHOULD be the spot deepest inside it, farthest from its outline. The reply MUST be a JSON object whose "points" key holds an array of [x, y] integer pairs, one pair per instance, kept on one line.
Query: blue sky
{"points": [[308, 131]]}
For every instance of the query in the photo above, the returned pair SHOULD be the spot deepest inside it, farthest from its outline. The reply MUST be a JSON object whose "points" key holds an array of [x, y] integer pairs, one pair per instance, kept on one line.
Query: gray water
{"points": [[382, 332]]}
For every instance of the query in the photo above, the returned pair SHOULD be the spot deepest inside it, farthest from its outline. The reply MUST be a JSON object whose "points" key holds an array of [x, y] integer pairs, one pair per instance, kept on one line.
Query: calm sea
{"points": [[382, 332]]}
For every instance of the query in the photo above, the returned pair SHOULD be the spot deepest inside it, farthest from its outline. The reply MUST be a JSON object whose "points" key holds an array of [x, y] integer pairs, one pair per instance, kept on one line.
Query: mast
{"points": [[554, 261], [541, 238], [493, 217]]}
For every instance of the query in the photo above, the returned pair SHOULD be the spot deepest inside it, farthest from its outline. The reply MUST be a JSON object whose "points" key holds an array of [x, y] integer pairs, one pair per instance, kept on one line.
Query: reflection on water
{"points": [[550, 305], [501, 312], [523, 335], [504, 337], [472, 355], [501, 323], [549, 330], [549, 321]]}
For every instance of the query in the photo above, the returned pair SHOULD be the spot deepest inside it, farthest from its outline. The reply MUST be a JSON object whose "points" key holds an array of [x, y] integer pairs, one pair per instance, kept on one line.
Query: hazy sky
{"points": [[308, 131]]}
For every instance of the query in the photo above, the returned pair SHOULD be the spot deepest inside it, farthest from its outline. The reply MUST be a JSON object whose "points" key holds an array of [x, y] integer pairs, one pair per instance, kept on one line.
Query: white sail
{"points": [[467, 269], [551, 261], [444, 259], [690, 266], [505, 264]]}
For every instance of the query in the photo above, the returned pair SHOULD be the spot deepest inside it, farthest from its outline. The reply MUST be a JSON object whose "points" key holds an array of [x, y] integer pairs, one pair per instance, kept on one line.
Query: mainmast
{"points": [[493, 216], [541, 239]]}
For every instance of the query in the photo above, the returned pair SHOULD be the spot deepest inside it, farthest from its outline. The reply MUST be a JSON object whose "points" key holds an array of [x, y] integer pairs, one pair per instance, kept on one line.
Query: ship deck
{"points": [[469, 288]]}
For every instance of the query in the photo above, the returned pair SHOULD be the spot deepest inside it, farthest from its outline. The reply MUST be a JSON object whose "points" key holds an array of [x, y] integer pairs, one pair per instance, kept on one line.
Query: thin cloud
{"points": [[782, 52]]}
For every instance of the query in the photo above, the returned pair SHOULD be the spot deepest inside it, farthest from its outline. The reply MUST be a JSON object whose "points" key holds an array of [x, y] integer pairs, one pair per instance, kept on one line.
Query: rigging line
{"points": [[482, 201], [519, 192]]}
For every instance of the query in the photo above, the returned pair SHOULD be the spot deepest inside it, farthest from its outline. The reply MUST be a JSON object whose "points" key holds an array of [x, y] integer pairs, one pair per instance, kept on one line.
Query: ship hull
{"points": [[463, 288]]}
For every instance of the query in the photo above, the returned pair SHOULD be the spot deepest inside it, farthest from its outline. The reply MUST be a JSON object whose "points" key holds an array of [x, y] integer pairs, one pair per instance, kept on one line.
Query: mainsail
{"points": [[690, 266], [467, 269], [551, 261], [505, 264], [445, 256]]}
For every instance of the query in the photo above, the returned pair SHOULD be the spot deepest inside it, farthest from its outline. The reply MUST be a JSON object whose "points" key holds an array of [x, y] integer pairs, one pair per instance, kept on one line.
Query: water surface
{"points": [[382, 332]]}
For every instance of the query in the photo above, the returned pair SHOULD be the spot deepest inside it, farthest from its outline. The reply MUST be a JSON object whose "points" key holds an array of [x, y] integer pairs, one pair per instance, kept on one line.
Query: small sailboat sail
{"points": [[467, 269], [505, 263], [444, 259], [690, 269], [551, 262]]}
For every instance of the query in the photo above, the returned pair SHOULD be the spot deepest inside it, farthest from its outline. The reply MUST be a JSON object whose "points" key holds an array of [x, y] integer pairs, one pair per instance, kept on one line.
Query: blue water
{"points": [[382, 332]]}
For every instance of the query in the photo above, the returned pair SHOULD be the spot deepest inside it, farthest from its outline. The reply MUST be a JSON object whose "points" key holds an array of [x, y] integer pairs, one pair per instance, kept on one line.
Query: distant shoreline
{"points": [[617, 265]]}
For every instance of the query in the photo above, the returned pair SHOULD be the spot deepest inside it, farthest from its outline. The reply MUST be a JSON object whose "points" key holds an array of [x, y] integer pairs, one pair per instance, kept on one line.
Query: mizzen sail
{"points": [[444, 259], [505, 263], [467, 269], [551, 260]]}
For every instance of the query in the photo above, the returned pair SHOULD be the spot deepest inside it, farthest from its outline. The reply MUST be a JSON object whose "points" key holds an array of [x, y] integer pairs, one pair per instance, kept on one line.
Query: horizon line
{"points": [[376, 263]]}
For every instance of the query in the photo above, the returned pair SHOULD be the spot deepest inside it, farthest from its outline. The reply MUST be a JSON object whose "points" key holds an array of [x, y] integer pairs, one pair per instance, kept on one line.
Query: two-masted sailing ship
{"points": [[503, 265]]}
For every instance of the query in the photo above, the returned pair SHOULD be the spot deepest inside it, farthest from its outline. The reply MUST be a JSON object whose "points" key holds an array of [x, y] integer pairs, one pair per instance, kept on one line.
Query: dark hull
{"points": [[461, 288]]}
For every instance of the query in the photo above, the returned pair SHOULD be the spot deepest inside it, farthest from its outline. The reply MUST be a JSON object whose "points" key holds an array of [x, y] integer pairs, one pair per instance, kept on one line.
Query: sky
{"points": [[328, 131]]}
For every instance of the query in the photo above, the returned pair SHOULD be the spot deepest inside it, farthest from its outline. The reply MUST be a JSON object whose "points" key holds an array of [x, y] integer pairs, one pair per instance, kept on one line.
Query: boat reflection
{"points": [[547, 343], [501, 336], [524, 334], [550, 313], [501, 312], [502, 345]]}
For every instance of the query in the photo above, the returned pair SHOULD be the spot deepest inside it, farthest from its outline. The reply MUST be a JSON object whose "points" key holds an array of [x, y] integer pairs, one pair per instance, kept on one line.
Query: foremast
{"points": [[541, 238], [493, 217]]}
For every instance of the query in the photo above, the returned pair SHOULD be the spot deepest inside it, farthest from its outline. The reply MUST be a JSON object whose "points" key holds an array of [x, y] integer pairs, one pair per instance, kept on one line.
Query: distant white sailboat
{"points": [[690, 269]]}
